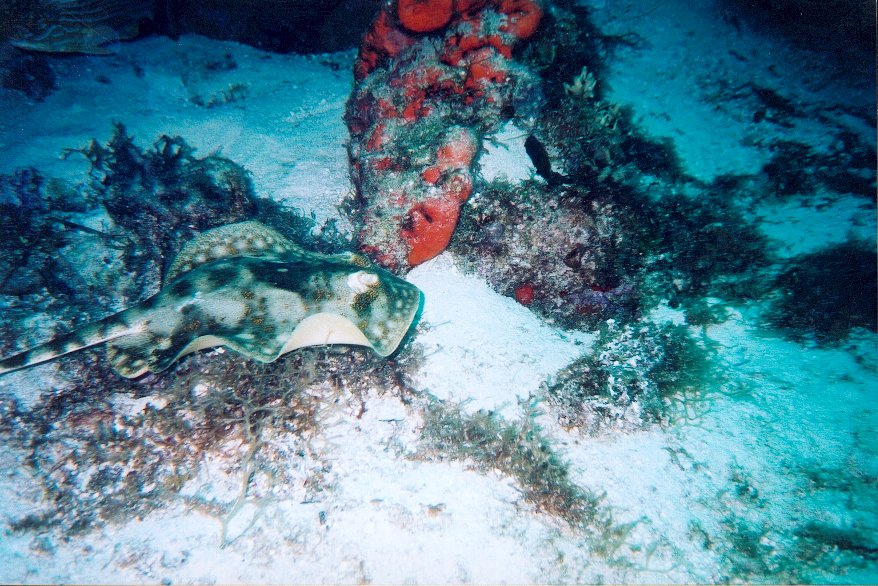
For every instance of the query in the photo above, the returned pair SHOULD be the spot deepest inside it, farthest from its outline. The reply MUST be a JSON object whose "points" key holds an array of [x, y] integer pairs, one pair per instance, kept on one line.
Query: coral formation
{"points": [[560, 257], [424, 16], [573, 245], [433, 78]]}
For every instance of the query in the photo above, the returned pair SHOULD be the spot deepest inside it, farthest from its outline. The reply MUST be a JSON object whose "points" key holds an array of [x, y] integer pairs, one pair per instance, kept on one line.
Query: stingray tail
{"points": [[110, 328]]}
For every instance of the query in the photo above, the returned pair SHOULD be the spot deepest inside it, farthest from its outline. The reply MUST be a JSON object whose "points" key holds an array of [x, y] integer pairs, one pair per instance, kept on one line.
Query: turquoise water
{"points": [[648, 352]]}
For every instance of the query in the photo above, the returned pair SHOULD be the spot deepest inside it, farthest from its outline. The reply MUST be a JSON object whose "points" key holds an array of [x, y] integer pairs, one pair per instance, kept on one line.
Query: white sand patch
{"points": [[483, 347], [689, 59], [800, 229], [504, 156], [280, 116]]}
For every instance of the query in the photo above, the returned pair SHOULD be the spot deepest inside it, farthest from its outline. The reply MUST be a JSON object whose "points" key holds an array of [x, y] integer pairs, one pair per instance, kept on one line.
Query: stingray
{"points": [[80, 26], [248, 288]]}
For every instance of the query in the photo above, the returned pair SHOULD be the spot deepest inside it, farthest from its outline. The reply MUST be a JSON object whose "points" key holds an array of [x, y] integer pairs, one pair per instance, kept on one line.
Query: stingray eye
{"points": [[361, 281]]}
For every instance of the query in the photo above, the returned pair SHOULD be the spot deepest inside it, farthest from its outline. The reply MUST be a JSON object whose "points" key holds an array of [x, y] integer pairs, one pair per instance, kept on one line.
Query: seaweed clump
{"points": [[826, 294], [699, 246], [811, 544], [519, 449], [33, 209], [165, 195], [797, 169], [634, 376], [819, 543], [107, 457], [592, 142], [595, 144]]}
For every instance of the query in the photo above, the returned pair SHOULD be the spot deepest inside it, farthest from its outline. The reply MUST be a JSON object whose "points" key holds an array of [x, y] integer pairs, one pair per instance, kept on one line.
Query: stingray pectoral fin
{"points": [[387, 326], [110, 328], [250, 239], [134, 356], [325, 328]]}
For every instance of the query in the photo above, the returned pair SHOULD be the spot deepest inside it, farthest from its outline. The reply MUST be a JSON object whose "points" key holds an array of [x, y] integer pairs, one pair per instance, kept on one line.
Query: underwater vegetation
{"points": [[796, 169], [100, 462], [134, 215], [519, 449], [610, 225], [165, 195], [825, 294], [805, 545], [586, 140], [593, 143], [32, 207], [584, 259], [177, 194], [634, 376], [700, 246], [105, 457]]}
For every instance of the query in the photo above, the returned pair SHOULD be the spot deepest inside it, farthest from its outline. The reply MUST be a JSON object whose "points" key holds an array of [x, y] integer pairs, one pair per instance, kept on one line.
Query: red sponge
{"points": [[428, 228], [424, 16]]}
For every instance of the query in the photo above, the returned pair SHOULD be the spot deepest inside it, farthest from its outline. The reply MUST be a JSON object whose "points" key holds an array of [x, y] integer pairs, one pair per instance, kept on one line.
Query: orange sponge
{"points": [[522, 17], [424, 16], [428, 228]]}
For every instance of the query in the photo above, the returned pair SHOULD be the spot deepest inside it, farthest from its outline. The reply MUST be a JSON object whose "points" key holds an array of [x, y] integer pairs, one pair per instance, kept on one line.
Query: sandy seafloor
{"points": [[749, 457]]}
